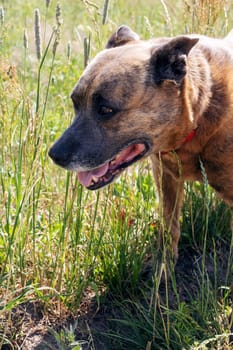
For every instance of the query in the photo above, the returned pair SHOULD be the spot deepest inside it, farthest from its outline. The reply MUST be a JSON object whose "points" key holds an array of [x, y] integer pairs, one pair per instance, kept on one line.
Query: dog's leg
{"points": [[171, 195]]}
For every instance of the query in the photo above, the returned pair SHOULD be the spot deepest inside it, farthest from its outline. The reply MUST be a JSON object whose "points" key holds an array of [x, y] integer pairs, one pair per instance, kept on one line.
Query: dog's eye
{"points": [[106, 111]]}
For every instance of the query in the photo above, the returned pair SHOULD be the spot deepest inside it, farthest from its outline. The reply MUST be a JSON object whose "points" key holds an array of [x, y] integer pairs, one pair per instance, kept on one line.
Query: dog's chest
{"points": [[182, 166]]}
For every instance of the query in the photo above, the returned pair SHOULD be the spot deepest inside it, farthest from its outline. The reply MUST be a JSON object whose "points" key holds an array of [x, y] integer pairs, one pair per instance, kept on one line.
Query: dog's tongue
{"points": [[126, 155], [85, 177]]}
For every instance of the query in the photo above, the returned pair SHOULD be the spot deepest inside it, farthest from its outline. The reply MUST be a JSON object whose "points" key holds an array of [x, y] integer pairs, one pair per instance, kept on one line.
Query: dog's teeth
{"points": [[117, 171], [95, 179]]}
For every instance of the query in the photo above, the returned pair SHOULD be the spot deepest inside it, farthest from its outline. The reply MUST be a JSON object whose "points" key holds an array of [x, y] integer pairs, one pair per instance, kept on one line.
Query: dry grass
{"points": [[204, 15]]}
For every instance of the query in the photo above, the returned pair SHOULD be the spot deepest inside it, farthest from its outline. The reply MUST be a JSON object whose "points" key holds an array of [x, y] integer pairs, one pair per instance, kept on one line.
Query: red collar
{"points": [[187, 139]]}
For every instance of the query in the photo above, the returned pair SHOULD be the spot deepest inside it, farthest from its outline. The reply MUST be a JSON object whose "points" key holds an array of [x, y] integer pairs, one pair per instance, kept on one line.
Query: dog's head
{"points": [[129, 102]]}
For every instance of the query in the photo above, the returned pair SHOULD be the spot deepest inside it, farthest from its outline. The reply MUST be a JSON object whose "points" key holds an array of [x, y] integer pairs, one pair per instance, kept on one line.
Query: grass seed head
{"points": [[57, 29], [37, 28], [59, 14]]}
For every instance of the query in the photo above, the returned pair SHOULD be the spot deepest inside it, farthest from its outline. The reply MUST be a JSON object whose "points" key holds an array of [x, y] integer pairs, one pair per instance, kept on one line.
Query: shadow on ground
{"points": [[41, 328]]}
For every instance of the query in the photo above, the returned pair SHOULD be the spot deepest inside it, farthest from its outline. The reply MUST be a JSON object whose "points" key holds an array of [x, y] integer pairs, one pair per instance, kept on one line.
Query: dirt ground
{"points": [[39, 326]]}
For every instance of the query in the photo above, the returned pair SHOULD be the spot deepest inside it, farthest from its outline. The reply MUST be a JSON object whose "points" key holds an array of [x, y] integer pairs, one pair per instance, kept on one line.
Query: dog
{"points": [[167, 98]]}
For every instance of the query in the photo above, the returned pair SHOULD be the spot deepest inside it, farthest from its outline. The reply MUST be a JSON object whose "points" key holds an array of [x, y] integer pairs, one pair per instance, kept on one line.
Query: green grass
{"points": [[60, 245]]}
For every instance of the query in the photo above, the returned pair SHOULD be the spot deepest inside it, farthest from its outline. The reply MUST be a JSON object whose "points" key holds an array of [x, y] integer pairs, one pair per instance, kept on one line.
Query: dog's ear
{"points": [[169, 62], [122, 36]]}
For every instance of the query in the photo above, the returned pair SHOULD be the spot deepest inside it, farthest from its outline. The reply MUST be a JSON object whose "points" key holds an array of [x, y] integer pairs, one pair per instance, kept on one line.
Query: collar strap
{"points": [[187, 139]]}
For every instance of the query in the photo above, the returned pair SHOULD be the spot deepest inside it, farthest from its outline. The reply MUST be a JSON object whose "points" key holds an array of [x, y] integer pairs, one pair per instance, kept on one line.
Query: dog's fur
{"points": [[167, 98]]}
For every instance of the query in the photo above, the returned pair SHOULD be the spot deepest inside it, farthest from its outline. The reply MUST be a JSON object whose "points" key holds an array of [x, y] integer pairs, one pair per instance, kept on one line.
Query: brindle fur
{"points": [[162, 89]]}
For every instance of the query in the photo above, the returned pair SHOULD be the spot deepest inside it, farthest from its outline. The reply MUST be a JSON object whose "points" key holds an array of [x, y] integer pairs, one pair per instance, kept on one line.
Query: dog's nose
{"points": [[60, 158]]}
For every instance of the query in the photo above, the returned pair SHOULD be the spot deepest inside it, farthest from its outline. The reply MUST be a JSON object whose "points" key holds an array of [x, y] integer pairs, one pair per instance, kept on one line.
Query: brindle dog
{"points": [[167, 98]]}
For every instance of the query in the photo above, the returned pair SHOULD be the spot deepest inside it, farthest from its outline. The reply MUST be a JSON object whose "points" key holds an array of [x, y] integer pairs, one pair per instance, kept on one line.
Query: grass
{"points": [[61, 247]]}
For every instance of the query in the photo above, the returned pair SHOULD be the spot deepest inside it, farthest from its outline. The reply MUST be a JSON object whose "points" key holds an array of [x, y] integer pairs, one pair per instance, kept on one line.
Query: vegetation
{"points": [[78, 269]]}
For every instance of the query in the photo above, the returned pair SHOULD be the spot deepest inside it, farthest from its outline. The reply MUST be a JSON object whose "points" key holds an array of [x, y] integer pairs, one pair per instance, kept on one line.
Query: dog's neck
{"points": [[187, 139]]}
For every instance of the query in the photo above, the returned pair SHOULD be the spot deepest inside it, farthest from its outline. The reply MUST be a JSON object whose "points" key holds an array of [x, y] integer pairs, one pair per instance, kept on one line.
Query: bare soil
{"points": [[37, 325]]}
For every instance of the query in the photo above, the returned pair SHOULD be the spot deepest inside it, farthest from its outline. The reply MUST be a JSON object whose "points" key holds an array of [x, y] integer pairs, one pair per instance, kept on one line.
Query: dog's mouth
{"points": [[104, 174]]}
